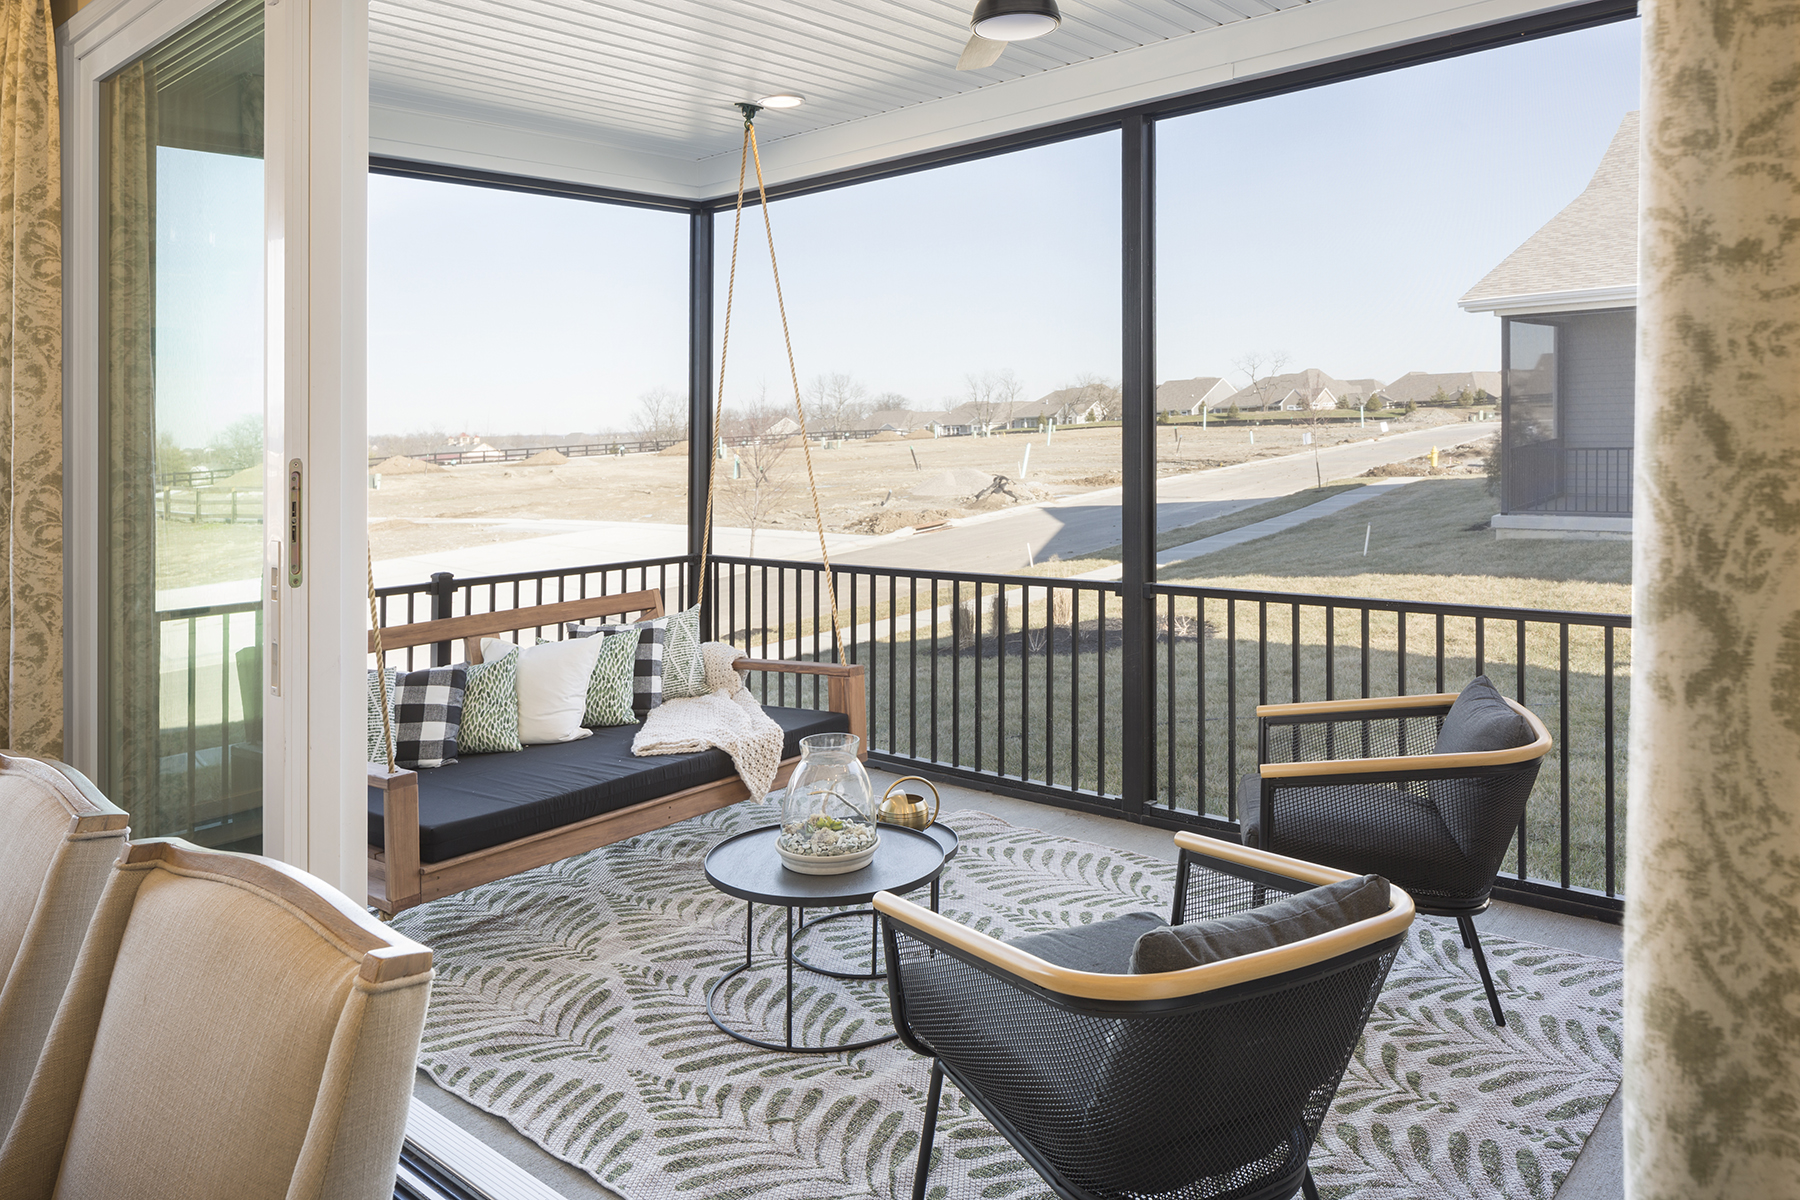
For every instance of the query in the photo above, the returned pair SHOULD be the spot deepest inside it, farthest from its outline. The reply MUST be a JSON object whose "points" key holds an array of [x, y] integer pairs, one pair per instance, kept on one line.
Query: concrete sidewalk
{"points": [[1262, 529]]}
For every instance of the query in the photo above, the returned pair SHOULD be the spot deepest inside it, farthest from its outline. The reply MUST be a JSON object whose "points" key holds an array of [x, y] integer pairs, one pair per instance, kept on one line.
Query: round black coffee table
{"points": [[747, 866]]}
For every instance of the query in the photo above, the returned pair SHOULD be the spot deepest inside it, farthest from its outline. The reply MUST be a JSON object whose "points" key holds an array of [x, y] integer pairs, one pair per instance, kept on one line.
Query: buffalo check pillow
{"points": [[647, 664], [428, 708]]}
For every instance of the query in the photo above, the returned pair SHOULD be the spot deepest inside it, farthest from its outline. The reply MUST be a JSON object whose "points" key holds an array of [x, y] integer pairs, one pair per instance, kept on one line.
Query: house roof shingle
{"points": [[1590, 245]]}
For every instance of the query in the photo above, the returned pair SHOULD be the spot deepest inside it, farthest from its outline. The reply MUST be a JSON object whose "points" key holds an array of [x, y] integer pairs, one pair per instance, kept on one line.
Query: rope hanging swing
{"points": [[750, 153]]}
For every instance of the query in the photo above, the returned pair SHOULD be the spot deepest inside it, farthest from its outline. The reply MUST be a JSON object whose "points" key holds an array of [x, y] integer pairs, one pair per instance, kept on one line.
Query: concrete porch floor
{"points": [[1598, 1174]]}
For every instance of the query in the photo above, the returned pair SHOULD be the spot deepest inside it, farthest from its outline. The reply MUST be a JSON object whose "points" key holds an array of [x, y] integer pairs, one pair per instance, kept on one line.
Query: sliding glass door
{"points": [[182, 431]]}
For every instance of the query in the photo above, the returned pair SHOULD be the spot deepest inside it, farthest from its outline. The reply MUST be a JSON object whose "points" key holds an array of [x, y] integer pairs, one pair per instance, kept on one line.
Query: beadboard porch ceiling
{"points": [[638, 94]]}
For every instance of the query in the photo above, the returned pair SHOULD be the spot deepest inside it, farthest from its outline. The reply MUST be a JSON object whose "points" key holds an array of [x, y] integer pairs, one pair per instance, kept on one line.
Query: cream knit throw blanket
{"points": [[727, 718]]}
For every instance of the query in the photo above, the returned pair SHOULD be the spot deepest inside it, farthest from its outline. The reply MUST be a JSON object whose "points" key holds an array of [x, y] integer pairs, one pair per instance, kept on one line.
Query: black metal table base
{"points": [[790, 961], [746, 866]]}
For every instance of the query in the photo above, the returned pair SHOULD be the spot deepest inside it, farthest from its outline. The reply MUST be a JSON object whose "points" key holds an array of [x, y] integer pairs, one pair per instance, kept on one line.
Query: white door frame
{"points": [[316, 188]]}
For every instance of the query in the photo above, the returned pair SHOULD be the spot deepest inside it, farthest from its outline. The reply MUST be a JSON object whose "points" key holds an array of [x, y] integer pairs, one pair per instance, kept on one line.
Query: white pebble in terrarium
{"points": [[826, 836]]}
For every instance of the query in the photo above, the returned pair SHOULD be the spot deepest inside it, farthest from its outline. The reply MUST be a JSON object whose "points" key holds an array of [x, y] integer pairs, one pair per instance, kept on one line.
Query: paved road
{"points": [[1091, 521]]}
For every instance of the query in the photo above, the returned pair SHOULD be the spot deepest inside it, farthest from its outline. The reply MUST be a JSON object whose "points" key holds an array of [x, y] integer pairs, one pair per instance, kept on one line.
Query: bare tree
{"points": [[992, 396], [662, 415], [836, 401], [1096, 391], [890, 402], [1313, 418], [761, 478], [1008, 392], [1261, 367]]}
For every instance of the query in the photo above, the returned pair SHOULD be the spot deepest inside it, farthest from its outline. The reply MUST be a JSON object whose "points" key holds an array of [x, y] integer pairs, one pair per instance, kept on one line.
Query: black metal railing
{"points": [[1223, 652], [1015, 684], [444, 595], [1546, 477]]}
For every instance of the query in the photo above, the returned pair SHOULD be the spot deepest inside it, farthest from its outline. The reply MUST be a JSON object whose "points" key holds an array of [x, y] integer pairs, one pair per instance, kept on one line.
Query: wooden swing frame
{"points": [[398, 880]]}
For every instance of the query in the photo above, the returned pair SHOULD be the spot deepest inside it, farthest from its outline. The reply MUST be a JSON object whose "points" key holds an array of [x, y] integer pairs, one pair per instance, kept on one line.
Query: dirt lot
{"points": [[863, 486]]}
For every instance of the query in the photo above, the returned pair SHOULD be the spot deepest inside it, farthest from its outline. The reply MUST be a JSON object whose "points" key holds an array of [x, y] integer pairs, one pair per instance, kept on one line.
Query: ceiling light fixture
{"points": [[782, 100], [1014, 20]]}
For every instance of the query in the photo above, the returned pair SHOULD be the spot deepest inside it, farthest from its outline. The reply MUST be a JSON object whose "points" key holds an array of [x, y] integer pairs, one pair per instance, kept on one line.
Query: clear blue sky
{"points": [[1338, 225]]}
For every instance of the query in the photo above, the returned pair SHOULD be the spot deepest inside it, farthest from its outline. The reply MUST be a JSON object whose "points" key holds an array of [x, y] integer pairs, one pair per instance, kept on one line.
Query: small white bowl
{"points": [[827, 864]]}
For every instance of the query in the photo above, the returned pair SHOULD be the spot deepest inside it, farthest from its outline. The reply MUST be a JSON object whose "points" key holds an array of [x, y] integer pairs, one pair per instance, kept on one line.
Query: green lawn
{"points": [[1428, 541]]}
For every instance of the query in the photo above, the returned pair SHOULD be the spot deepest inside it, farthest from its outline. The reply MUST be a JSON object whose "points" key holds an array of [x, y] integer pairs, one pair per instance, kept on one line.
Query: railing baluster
{"points": [[1611, 887], [1562, 744], [1075, 687]]}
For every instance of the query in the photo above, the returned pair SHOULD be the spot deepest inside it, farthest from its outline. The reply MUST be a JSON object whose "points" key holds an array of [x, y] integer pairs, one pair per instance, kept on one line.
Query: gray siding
{"points": [[1598, 378]]}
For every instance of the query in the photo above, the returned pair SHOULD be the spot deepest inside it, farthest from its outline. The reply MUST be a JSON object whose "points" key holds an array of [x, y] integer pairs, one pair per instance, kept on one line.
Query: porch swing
{"points": [[487, 817]]}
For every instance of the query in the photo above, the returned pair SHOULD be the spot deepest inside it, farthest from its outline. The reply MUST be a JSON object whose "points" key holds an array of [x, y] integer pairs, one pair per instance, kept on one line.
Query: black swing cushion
{"points": [[487, 800]]}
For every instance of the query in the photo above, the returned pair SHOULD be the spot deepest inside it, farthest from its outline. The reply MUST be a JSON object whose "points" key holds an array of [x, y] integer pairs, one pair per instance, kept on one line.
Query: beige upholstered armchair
{"points": [[60, 839], [234, 1028]]}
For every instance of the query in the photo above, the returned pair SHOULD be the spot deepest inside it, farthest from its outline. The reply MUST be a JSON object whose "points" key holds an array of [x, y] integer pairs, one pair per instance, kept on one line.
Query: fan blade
{"points": [[980, 52]]}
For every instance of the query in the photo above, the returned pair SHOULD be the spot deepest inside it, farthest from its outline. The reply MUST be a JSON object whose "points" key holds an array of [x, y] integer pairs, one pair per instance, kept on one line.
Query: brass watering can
{"points": [[908, 808]]}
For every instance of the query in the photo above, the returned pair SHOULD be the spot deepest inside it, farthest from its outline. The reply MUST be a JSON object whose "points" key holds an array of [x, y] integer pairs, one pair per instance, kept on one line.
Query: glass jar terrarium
{"points": [[828, 813]]}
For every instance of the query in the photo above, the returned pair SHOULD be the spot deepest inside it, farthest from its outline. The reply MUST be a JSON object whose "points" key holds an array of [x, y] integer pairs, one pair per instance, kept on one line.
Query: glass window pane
{"points": [[942, 322], [510, 332], [1330, 264], [182, 316]]}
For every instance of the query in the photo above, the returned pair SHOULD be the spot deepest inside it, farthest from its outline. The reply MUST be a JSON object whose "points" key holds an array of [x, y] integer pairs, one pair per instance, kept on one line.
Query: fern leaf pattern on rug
{"points": [[571, 1001]]}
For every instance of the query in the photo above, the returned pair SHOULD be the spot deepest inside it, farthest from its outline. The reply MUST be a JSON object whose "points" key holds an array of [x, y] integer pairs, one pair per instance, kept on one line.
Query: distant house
{"points": [[1567, 301], [1191, 397], [1298, 390], [899, 420], [782, 428], [1418, 387]]}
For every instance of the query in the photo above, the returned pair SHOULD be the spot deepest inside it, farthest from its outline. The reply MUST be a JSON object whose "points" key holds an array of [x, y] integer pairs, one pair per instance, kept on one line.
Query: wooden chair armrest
{"points": [[1332, 709], [1237, 854], [1029, 969], [793, 667], [1402, 764]]}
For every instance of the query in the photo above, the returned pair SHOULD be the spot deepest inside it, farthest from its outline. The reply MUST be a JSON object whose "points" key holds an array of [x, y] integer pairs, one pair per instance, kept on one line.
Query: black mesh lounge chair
{"points": [[1425, 790], [1209, 1081]]}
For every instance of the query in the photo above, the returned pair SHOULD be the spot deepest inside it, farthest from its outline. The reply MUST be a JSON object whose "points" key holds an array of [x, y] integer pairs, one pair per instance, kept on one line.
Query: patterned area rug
{"points": [[571, 1002]]}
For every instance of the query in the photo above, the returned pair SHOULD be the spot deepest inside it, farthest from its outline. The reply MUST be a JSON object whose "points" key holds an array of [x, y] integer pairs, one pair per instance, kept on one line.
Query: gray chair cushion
{"points": [[1100, 946], [1290, 919], [1481, 720]]}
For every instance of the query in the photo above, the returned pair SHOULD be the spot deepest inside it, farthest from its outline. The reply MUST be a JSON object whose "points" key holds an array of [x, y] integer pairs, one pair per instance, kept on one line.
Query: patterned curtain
{"points": [[31, 433], [128, 404], [1712, 936]]}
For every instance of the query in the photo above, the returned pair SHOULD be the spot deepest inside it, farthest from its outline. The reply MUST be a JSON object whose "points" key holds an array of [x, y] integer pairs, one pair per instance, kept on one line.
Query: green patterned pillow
{"points": [[490, 716], [378, 736], [684, 670], [612, 685]]}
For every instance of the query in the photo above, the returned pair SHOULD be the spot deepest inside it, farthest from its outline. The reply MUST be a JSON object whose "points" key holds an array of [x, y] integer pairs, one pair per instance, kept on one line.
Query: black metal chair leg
{"points": [[1307, 1187], [1465, 934], [1472, 940], [929, 1132]]}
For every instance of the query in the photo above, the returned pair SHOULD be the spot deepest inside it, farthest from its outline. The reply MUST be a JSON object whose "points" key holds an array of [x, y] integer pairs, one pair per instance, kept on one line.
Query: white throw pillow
{"points": [[553, 686]]}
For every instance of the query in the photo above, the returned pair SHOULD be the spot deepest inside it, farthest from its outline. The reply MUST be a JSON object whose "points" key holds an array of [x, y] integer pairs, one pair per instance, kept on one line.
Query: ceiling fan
{"points": [[997, 22]]}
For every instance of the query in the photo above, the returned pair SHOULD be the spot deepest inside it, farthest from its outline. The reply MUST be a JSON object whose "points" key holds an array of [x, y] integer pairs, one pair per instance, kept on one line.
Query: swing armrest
{"points": [[846, 691], [795, 667], [398, 863]]}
